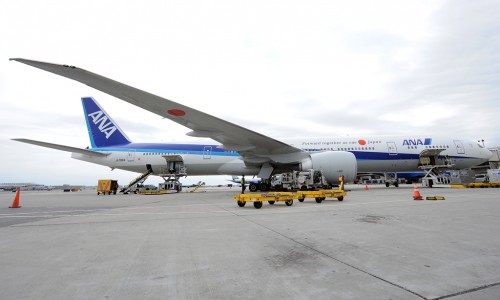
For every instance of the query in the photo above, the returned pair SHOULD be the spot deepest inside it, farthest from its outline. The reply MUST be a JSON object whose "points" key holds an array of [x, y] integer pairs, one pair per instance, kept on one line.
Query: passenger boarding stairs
{"points": [[138, 180]]}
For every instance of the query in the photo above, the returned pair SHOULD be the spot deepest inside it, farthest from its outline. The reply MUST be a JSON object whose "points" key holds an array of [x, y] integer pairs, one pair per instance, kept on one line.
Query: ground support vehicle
{"points": [[271, 198], [155, 192], [480, 185], [321, 195], [299, 180], [107, 186]]}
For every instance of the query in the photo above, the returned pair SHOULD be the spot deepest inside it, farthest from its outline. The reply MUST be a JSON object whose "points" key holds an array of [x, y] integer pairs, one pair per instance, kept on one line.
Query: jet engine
{"points": [[333, 164]]}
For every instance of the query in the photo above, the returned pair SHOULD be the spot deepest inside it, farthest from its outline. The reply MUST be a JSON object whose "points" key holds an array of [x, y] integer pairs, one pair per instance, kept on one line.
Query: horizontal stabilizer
{"points": [[63, 148]]}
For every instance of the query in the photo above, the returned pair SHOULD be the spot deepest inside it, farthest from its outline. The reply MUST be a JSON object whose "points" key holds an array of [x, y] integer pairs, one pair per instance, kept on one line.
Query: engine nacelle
{"points": [[333, 164]]}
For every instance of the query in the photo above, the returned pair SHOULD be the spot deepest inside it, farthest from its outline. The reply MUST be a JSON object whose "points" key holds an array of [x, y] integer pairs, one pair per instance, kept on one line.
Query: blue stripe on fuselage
{"points": [[201, 149], [169, 148]]}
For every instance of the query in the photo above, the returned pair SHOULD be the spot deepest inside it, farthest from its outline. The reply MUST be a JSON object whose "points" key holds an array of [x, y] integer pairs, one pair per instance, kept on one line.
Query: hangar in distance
{"points": [[231, 149]]}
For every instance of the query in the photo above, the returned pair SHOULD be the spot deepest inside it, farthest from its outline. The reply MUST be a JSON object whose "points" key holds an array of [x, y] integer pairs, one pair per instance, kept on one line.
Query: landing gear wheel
{"points": [[289, 202], [257, 204], [271, 202], [253, 187], [241, 203]]}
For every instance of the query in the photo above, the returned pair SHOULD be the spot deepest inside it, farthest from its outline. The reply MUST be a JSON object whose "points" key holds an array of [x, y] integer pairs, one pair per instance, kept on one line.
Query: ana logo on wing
{"points": [[417, 142], [100, 119]]}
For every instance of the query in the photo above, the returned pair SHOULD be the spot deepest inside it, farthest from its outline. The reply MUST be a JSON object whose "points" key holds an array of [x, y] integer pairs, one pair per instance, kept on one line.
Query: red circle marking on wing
{"points": [[176, 112]]}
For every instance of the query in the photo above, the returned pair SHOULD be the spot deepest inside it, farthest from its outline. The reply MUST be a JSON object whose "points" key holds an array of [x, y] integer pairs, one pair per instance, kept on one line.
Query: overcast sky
{"points": [[281, 68]]}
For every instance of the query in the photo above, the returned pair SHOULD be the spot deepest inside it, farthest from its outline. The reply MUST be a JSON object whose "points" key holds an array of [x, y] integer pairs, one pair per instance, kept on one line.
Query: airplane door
{"points": [[391, 148], [459, 146], [207, 152], [131, 155]]}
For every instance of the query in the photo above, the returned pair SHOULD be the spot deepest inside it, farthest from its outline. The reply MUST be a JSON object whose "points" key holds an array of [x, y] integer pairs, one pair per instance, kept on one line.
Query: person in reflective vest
{"points": [[341, 182], [243, 186]]}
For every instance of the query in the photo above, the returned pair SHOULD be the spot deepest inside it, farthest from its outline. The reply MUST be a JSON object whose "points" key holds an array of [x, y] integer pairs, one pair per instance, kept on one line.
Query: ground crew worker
{"points": [[341, 182], [243, 187]]}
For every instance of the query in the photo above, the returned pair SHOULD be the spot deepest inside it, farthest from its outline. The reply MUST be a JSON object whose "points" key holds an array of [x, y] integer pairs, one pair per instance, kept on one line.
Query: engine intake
{"points": [[333, 164]]}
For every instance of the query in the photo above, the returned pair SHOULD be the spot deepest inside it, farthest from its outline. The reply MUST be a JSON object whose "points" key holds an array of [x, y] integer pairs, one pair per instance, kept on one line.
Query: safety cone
{"points": [[15, 203], [366, 187], [416, 193]]}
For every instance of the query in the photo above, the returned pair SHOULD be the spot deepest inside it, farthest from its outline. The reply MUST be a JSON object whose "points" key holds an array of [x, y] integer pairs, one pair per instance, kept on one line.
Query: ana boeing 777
{"points": [[234, 150]]}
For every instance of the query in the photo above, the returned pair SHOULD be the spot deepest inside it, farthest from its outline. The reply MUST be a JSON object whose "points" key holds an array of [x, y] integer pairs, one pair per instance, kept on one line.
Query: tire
{"points": [[289, 202], [387, 184], [303, 188], [257, 204], [241, 203], [264, 187], [319, 199], [301, 199], [341, 198], [271, 202], [396, 184], [253, 187]]}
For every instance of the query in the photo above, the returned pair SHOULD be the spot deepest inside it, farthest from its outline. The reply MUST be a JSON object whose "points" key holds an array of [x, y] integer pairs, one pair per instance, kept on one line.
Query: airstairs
{"points": [[138, 180]]}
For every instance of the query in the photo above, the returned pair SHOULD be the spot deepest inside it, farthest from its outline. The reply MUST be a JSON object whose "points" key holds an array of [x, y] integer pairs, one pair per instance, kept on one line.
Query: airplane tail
{"points": [[103, 131]]}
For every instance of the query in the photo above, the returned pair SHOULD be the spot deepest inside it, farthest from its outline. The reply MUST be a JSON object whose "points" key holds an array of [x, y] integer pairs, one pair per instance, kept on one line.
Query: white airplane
{"points": [[238, 150], [248, 181]]}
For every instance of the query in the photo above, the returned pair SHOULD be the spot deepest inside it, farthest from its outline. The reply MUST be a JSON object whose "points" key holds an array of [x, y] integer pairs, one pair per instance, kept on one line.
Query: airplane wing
{"points": [[63, 148], [254, 147]]}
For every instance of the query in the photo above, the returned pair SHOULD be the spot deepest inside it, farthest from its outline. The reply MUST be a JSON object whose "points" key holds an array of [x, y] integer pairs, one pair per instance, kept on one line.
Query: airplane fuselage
{"points": [[373, 154]]}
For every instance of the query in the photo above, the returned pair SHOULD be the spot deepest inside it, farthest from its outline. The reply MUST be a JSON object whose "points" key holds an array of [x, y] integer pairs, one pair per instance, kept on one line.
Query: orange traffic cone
{"points": [[416, 193], [15, 203], [366, 187]]}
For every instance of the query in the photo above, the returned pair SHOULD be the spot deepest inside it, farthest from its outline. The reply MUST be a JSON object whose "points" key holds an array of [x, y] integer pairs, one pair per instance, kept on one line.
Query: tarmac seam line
{"points": [[479, 288]]}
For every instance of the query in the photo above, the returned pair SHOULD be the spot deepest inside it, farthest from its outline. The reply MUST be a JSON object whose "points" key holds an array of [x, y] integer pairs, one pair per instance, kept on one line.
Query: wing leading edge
{"points": [[253, 147]]}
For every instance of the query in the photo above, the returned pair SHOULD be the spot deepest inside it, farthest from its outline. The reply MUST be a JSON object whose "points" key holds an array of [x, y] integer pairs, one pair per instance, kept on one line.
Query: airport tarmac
{"points": [[376, 244]]}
